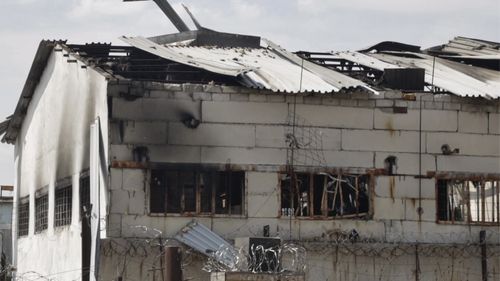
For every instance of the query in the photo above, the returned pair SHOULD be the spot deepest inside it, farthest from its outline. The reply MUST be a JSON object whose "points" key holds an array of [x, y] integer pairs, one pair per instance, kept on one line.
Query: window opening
{"points": [[469, 201], [324, 195], [85, 196], [197, 192], [41, 213], [23, 219], [63, 205]]}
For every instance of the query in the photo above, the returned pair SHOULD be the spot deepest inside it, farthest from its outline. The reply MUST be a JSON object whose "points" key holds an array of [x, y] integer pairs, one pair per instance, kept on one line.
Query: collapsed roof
{"points": [[463, 67]]}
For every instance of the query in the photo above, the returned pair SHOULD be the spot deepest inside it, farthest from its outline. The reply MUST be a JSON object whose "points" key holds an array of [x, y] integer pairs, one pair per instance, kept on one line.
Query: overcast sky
{"points": [[314, 25]]}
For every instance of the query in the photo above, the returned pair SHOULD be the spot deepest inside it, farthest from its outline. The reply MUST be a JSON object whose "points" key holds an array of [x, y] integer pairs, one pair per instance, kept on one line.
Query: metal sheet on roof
{"points": [[271, 68], [459, 79], [463, 46]]}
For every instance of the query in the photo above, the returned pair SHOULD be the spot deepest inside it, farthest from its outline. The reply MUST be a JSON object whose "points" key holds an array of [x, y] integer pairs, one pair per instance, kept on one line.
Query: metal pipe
{"points": [[484, 257], [173, 264], [172, 15]]}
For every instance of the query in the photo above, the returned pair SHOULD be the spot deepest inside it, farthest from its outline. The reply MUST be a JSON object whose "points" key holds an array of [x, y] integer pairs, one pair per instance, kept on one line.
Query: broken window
{"points": [[187, 191], [41, 213], [23, 218], [469, 201], [63, 205], [324, 195], [84, 196]]}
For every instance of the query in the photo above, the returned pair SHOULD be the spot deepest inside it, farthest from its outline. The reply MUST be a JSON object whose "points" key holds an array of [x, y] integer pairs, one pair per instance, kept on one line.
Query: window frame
{"points": [[311, 195], [41, 209], [466, 180], [63, 213], [197, 171], [23, 219]]}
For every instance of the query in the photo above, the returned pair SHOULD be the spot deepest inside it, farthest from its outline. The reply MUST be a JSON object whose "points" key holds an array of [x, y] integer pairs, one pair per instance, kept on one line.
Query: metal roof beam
{"points": [[170, 13]]}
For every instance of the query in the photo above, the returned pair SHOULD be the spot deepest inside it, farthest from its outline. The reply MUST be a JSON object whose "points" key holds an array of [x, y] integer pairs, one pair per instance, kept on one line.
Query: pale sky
{"points": [[313, 25]]}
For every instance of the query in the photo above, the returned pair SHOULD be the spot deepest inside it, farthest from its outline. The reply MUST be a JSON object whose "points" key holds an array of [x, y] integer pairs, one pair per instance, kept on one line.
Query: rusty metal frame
{"points": [[466, 178], [198, 170], [324, 213]]}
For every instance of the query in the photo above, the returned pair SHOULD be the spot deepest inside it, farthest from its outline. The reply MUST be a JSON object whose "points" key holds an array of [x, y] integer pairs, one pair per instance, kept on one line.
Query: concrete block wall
{"points": [[247, 129]]}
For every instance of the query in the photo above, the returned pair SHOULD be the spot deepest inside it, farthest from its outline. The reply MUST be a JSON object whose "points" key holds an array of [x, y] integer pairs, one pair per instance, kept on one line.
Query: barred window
{"points": [[468, 201], [325, 195], [84, 196], [41, 213], [23, 219], [62, 212], [188, 191]]}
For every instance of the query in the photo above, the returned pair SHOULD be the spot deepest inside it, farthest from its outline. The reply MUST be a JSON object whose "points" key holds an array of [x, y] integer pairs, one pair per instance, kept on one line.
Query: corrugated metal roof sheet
{"points": [[459, 79], [271, 68], [463, 46], [206, 242], [456, 78]]}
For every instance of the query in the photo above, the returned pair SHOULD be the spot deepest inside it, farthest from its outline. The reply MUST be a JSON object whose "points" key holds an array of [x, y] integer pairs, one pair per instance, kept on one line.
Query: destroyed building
{"points": [[382, 163]]}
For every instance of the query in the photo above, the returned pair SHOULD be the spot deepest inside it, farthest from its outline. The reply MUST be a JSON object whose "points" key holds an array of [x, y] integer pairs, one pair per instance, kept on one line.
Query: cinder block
{"points": [[121, 152], [473, 122], [403, 187], [407, 163], [469, 144], [384, 103], [137, 203], [348, 159], [439, 120], [351, 103], [114, 225], [146, 109], [428, 209], [249, 156], [494, 124], [145, 132], [212, 135], [370, 140], [432, 120], [119, 202], [244, 112], [366, 103], [468, 164], [385, 119], [174, 154], [451, 106], [388, 209], [433, 105], [294, 98], [270, 136], [116, 176], [202, 96], [220, 97], [312, 100], [134, 180], [239, 97], [257, 98], [276, 98], [330, 101], [263, 195], [336, 117], [275, 136]]}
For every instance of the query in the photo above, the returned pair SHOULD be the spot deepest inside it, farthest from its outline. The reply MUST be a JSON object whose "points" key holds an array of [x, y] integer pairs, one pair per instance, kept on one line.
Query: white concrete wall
{"points": [[359, 133], [53, 144]]}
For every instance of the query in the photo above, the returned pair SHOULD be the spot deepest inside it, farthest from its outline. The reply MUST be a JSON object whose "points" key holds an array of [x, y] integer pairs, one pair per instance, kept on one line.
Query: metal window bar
{"points": [[23, 219], [63, 211], [41, 213]]}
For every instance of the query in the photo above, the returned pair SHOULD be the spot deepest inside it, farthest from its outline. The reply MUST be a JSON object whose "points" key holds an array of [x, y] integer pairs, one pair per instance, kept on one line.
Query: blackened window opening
{"points": [[325, 195], [197, 192], [84, 196], [468, 201], [23, 219], [63, 205], [41, 213]]}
